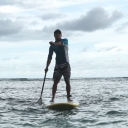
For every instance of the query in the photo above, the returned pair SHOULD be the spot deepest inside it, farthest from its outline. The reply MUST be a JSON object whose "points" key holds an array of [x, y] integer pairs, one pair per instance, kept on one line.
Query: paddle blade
{"points": [[39, 101]]}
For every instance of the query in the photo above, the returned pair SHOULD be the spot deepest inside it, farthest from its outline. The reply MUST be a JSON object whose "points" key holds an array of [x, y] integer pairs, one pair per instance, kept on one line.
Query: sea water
{"points": [[103, 104]]}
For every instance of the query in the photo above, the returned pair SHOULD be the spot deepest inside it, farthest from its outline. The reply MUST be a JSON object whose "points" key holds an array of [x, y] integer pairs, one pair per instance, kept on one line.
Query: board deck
{"points": [[61, 104]]}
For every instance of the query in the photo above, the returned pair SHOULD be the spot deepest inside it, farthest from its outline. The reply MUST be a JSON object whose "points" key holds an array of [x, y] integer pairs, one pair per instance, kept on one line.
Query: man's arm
{"points": [[49, 59], [55, 44], [63, 42], [47, 64]]}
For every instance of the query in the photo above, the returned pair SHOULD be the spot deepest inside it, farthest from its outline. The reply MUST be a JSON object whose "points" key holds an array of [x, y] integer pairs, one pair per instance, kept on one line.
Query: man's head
{"points": [[57, 34]]}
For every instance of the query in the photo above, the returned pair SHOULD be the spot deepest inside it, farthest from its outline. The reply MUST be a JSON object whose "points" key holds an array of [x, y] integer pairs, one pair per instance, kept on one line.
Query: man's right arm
{"points": [[49, 58], [47, 64]]}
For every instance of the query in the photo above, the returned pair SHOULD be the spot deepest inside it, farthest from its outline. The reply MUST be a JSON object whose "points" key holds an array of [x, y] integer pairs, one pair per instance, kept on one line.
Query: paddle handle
{"points": [[43, 85]]}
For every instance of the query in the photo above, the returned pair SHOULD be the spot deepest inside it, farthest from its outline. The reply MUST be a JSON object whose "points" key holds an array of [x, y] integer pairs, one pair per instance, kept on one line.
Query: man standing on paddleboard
{"points": [[62, 66]]}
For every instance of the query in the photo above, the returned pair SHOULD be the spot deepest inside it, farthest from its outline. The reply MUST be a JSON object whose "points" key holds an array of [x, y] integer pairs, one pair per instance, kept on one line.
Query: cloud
{"points": [[44, 4], [50, 16], [92, 62], [11, 58], [107, 48], [122, 27], [3, 15], [24, 35], [9, 27], [19, 29], [10, 2], [22, 4], [95, 19]]}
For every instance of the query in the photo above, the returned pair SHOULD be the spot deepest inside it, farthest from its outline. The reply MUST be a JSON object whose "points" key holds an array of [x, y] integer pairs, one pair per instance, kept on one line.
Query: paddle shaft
{"points": [[43, 86]]}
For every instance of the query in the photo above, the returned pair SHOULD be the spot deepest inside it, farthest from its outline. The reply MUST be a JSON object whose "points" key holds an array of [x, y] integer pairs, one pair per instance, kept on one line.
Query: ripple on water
{"points": [[110, 122], [114, 99], [117, 113], [103, 104]]}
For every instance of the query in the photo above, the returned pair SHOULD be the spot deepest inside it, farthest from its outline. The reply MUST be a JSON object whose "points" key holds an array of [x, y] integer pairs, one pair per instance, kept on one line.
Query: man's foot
{"points": [[52, 100], [69, 100]]}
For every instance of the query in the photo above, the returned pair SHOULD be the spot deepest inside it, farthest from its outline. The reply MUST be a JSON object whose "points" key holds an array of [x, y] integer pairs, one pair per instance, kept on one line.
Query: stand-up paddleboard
{"points": [[61, 104]]}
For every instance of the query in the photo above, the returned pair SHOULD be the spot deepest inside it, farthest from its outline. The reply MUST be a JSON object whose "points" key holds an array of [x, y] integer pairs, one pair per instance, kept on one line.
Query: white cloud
{"points": [[52, 16], [95, 49], [8, 27], [9, 9], [93, 64], [122, 27], [95, 19], [45, 4], [10, 2], [108, 47]]}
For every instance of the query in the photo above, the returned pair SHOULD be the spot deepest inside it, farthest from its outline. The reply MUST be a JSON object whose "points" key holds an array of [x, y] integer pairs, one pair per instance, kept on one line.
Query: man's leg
{"points": [[67, 73], [54, 88], [68, 89], [56, 77]]}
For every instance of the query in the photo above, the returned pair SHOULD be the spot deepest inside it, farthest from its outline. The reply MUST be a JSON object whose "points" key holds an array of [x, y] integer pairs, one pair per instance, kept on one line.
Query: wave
{"points": [[114, 113], [74, 78], [23, 79]]}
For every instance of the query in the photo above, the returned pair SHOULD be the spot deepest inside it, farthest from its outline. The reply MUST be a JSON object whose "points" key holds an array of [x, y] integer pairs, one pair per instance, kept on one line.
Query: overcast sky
{"points": [[97, 31]]}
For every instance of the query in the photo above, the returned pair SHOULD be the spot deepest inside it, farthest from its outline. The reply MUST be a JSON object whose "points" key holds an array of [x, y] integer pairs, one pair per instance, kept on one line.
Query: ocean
{"points": [[103, 104]]}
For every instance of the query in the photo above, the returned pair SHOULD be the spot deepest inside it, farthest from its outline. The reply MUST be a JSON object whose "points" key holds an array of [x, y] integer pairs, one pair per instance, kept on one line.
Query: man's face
{"points": [[57, 36]]}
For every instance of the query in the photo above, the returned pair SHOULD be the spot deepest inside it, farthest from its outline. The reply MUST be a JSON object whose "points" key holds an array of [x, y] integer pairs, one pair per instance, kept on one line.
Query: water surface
{"points": [[103, 104]]}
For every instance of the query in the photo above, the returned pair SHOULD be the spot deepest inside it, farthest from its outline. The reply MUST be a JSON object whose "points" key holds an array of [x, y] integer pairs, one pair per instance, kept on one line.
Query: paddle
{"points": [[40, 100]]}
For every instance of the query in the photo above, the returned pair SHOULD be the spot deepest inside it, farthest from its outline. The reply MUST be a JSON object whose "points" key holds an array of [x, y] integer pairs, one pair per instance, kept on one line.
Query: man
{"points": [[62, 67]]}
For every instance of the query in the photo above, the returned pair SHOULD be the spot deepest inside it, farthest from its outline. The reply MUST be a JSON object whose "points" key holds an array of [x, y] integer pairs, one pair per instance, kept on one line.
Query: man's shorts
{"points": [[62, 70]]}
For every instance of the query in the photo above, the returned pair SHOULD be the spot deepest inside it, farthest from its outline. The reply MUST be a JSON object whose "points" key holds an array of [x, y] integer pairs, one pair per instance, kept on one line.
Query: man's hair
{"points": [[57, 31]]}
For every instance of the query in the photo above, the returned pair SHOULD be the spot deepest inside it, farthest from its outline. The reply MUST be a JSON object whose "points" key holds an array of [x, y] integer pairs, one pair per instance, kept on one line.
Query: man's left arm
{"points": [[60, 43], [55, 44]]}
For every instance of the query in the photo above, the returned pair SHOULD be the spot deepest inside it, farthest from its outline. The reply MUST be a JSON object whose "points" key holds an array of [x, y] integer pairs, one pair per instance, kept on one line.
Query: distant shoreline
{"points": [[41, 79]]}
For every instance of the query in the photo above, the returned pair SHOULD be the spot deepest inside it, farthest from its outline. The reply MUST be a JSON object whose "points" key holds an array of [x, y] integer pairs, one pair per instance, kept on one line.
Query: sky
{"points": [[96, 31]]}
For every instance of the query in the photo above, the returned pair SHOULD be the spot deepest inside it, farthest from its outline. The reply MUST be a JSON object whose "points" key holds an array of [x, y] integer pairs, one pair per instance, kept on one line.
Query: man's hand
{"points": [[46, 70], [52, 43]]}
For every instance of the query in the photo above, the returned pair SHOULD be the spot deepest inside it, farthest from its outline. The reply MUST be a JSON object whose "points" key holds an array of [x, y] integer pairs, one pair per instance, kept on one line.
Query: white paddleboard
{"points": [[60, 104]]}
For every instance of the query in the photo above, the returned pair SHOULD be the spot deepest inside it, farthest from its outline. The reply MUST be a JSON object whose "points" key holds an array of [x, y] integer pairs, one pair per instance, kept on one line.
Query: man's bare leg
{"points": [[68, 89], [54, 88]]}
